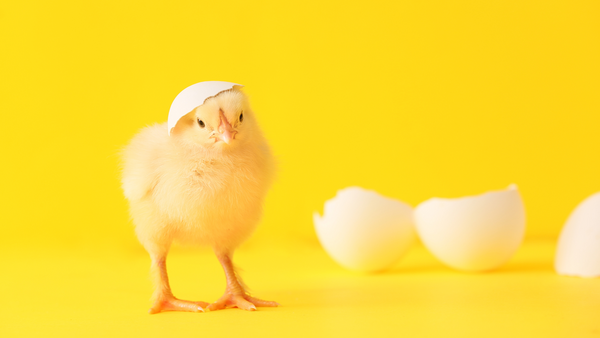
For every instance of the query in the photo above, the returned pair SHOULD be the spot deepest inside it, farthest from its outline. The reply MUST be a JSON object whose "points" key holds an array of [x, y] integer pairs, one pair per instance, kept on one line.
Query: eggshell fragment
{"points": [[194, 96], [578, 251], [476, 233], [364, 231]]}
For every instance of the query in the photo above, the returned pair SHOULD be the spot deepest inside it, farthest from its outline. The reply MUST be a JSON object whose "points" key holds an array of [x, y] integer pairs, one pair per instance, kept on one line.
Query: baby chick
{"points": [[203, 185]]}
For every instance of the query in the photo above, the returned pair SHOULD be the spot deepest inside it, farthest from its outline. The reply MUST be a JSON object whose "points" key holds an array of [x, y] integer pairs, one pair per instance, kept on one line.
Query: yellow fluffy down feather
{"points": [[202, 185]]}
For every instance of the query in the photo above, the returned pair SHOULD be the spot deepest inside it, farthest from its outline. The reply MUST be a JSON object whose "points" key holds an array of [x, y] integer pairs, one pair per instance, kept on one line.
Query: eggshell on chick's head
{"points": [[476, 233], [364, 231], [194, 96], [578, 251]]}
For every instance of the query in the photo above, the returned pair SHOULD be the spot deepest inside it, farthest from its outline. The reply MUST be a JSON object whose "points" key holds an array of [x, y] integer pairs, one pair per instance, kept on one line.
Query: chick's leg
{"points": [[235, 295], [163, 297]]}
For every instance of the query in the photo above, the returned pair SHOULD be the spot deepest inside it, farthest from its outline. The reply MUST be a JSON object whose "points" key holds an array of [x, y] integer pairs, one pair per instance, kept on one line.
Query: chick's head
{"points": [[224, 121]]}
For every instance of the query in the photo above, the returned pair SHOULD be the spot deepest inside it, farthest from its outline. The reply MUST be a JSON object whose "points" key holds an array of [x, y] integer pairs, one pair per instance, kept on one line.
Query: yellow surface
{"points": [[413, 99], [102, 295]]}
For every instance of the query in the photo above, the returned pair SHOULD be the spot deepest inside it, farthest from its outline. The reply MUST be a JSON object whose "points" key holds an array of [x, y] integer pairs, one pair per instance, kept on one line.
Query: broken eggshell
{"points": [[578, 251], [477, 233], [364, 231], [194, 96]]}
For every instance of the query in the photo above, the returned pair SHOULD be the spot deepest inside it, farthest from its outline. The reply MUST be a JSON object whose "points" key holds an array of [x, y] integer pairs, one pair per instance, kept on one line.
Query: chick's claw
{"points": [[241, 301], [260, 302], [174, 304]]}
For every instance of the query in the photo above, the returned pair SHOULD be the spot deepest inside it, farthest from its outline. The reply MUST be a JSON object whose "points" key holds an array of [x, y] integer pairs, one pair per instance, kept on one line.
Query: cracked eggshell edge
{"points": [[193, 97], [355, 237], [458, 230]]}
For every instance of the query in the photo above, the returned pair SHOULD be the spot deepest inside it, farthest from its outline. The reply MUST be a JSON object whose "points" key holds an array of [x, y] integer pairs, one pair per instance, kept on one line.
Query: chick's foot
{"points": [[241, 301], [174, 304]]}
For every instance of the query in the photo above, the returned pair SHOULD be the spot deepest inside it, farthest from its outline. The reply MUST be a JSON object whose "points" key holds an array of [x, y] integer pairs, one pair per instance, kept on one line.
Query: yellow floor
{"points": [[105, 294]]}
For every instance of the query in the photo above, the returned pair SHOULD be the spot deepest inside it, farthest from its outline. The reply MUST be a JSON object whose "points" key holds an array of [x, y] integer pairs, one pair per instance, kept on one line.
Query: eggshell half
{"points": [[476, 233], [364, 231], [194, 96], [578, 251]]}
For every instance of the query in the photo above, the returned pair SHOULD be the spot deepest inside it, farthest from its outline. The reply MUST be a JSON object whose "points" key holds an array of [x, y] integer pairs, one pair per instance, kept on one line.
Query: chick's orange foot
{"points": [[241, 301], [174, 304]]}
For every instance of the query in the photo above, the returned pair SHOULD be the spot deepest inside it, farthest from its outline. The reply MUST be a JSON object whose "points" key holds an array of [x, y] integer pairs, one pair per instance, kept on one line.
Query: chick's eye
{"points": [[241, 117], [201, 123]]}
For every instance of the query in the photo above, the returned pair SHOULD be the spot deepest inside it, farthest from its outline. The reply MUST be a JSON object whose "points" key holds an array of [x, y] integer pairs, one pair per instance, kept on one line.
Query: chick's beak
{"points": [[226, 131]]}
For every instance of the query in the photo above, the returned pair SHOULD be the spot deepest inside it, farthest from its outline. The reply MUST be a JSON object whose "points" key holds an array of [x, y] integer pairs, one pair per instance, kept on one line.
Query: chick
{"points": [[202, 185]]}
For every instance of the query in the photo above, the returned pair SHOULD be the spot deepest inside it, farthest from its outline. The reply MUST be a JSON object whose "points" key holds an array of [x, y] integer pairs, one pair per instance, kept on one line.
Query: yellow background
{"points": [[413, 99]]}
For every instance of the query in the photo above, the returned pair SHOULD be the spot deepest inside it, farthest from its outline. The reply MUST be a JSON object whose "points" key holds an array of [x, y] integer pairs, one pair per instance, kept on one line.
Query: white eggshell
{"points": [[194, 96], [364, 231], [578, 251], [476, 233]]}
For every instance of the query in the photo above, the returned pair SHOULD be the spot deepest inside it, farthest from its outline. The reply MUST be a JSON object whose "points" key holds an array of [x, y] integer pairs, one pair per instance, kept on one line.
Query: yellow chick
{"points": [[202, 185]]}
